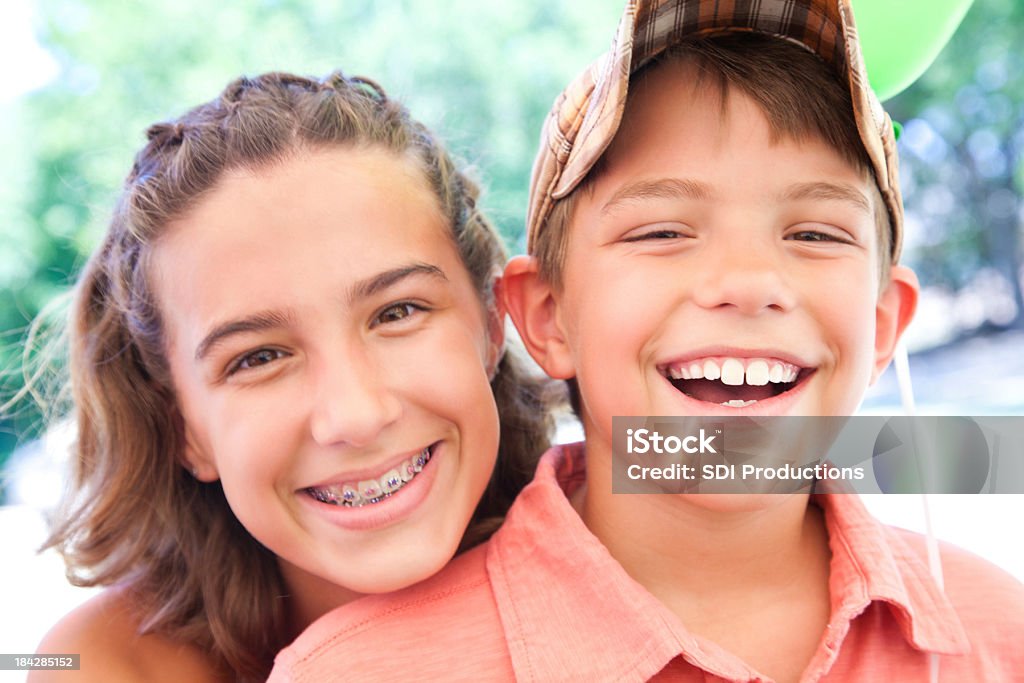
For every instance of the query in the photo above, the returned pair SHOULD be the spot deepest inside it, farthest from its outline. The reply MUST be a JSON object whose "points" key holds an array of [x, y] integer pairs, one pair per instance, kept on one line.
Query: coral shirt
{"points": [[544, 601]]}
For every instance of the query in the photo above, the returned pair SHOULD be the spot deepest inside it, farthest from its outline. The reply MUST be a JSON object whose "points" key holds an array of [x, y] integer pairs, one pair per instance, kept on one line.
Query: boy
{"points": [[719, 239]]}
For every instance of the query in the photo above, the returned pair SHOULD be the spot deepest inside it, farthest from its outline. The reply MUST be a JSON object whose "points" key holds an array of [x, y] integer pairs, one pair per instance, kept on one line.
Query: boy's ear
{"points": [[894, 311], [531, 304]]}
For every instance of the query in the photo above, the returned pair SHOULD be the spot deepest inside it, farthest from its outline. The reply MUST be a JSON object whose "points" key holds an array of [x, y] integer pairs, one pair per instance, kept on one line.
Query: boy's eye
{"points": [[818, 236], [396, 313], [655, 233], [255, 359]]}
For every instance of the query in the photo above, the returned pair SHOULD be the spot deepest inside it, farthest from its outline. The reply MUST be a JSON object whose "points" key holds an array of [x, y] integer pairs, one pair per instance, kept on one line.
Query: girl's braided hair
{"points": [[135, 516]]}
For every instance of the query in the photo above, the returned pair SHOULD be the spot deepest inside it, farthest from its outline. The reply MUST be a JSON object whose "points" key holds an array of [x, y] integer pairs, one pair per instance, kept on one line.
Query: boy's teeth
{"points": [[711, 370], [679, 373], [757, 373], [735, 372], [732, 372], [738, 403]]}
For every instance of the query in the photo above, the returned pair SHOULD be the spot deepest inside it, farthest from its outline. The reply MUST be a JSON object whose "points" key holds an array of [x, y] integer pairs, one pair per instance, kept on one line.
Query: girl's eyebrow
{"points": [[380, 281], [265, 320]]}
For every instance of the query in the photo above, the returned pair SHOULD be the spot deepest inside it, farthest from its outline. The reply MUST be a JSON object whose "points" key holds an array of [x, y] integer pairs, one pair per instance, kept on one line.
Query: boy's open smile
{"points": [[735, 379]]}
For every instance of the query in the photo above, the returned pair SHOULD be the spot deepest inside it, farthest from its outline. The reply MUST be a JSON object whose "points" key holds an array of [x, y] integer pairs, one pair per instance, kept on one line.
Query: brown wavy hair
{"points": [[135, 516]]}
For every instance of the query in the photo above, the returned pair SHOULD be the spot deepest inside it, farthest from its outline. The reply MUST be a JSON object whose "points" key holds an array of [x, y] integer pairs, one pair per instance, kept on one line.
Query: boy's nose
{"points": [[352, 403], [746, 277]]}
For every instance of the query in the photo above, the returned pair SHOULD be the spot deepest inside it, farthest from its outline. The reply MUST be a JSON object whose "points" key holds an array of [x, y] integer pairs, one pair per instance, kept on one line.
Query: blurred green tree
{"points": [[483, 74], [963, 163]]}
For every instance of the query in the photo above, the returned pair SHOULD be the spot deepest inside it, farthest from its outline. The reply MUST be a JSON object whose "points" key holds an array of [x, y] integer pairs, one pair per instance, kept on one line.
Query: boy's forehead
{"points": [[675, 111], [671, 93], [587, 115]]}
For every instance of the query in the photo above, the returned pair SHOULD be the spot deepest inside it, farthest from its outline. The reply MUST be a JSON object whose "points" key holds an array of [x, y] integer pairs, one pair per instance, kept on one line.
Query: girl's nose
{"points": [[353, 403]]}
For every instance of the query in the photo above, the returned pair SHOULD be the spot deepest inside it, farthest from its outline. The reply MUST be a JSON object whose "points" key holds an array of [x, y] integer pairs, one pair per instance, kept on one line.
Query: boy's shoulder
{"points": [[450, 614], [988, 604], [988, 600], [975, 620]]}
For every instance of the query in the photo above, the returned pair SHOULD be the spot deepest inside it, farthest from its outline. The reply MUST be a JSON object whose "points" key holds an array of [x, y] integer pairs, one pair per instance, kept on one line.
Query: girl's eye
{"points": [[256, 359], [396, 313]]}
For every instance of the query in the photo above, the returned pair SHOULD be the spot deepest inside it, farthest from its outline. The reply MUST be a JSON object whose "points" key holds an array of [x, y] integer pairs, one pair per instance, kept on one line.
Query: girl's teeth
{"points": [[350, 495], [405, 470], [371, 491], [391, 481], [738, 403], [696, 371], [777, 371]]}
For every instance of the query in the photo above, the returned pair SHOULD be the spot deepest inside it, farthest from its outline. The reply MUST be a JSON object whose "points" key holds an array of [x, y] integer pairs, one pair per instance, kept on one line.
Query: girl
{"points": [[282, 361]]}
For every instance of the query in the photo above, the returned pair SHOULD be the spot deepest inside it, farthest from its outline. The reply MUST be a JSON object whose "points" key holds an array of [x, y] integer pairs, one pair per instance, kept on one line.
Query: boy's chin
{"points": [[723, 503]]}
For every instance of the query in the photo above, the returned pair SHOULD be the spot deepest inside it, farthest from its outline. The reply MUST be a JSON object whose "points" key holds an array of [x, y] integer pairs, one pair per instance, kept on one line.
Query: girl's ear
{"points": [[495, 327], [893, 312], [195, 459], [533, 307]]}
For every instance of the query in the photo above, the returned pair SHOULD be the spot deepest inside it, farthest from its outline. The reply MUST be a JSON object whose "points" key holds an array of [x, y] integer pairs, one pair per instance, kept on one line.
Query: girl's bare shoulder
{"points": [[105, 632]]}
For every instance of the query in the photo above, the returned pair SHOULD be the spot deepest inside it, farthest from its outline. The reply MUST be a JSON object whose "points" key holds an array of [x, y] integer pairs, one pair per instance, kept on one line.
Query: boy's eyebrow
{"points": [[264, 320], [829, 191], [660, 188]]}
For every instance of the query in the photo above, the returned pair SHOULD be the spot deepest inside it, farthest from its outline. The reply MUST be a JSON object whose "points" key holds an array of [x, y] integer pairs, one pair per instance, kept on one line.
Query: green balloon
{"points": [[901, 38]]}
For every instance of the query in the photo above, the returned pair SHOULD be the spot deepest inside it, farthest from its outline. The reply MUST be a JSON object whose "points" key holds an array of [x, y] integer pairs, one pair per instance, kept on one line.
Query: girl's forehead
{"points": [[318, 223]]}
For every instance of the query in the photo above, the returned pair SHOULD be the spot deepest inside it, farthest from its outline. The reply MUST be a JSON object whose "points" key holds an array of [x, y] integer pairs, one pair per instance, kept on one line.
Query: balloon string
{"points": [[901, 361]]}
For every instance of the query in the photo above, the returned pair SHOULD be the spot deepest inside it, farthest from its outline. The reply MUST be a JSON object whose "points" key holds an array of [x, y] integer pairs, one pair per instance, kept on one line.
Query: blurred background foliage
{"points": [[484, 74], [962, 152]]}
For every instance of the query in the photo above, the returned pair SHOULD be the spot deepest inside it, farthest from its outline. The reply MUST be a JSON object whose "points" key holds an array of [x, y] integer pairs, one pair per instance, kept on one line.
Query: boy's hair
{"points": [[137, 517], [724, 43], [777, 76]]}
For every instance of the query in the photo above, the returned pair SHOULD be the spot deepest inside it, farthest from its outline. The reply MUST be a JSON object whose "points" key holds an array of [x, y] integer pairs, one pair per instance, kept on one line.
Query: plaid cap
{"points": [[586, 115]]}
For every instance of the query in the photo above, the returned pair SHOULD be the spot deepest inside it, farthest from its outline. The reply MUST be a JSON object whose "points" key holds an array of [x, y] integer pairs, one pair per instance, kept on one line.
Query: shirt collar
{"points": [[617, 630], [872, 562]]}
